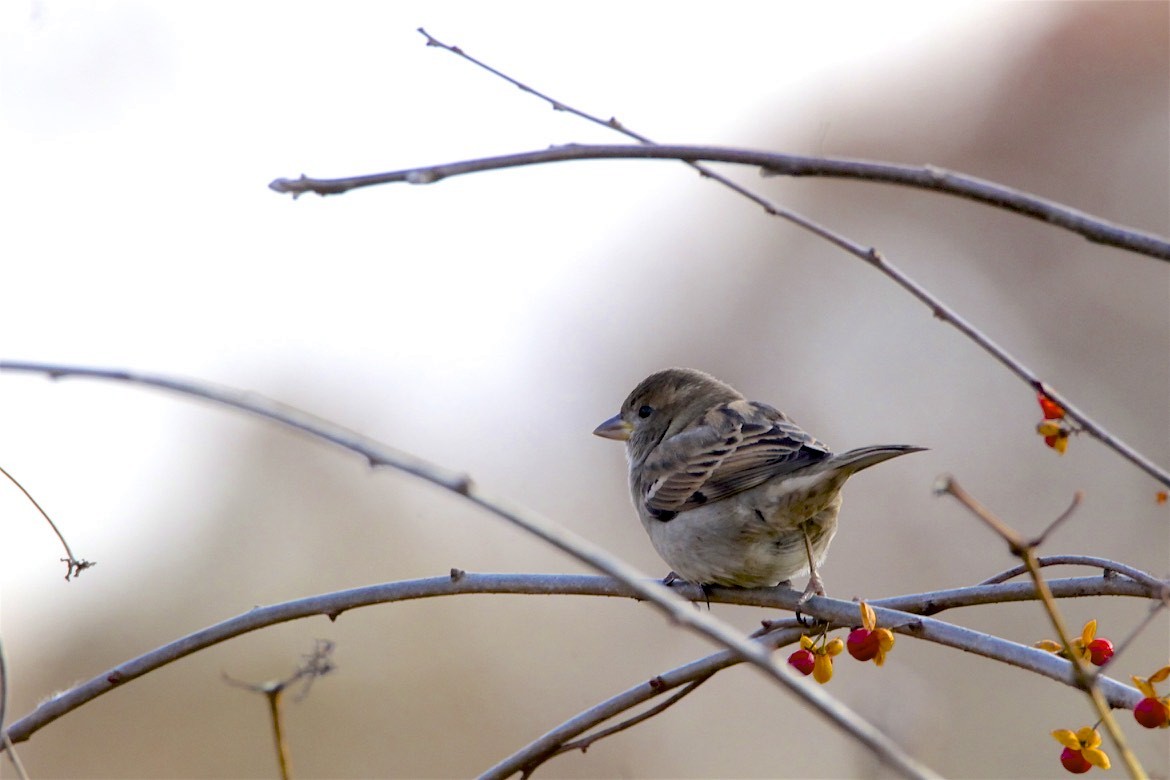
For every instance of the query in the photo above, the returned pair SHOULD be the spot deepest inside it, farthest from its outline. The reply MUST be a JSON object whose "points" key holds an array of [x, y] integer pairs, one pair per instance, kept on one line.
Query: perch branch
{"points": [[332, 605]]}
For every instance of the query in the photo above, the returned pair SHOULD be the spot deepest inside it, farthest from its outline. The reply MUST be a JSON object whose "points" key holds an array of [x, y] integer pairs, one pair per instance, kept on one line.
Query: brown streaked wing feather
{"points": [[732, 448]]}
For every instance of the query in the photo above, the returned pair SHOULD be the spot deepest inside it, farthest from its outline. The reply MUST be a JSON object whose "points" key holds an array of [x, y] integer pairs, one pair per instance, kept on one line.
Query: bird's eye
{"points": [[645, 411]]}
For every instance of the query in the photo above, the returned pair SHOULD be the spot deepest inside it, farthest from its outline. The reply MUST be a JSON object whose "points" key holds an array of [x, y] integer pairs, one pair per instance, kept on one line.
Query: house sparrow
{"points": [[731, 491]]}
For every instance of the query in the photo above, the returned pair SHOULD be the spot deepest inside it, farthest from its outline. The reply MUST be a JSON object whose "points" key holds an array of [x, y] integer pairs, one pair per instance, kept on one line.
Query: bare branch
{"points": [[924, 177], [1109, 567], [843, 613]]}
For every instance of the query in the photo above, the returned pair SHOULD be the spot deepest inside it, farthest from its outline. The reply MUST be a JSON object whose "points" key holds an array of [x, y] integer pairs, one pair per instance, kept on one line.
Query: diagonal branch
{"points": [[837, 614]]}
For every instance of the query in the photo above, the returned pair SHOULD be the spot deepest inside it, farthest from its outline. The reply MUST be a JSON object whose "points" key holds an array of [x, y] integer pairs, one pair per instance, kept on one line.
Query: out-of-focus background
{"points": [[490, 322]]}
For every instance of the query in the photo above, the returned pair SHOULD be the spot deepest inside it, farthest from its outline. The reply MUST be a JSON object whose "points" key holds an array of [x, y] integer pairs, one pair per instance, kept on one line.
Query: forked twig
{"points": [[584, 743], [74, 566], [316, 664]]}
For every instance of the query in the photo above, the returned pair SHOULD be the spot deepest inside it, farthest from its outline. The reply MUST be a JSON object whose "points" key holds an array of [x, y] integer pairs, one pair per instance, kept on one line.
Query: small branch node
{"points": [[422, 176], [75, 567]]}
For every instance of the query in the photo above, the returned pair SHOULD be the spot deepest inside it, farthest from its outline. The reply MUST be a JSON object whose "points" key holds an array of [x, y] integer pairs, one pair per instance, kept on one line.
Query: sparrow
{"points": [[731, 491]]}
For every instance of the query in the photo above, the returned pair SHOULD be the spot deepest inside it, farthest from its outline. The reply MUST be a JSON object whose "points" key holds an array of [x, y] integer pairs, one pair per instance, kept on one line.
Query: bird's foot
{"points": [[814, 588]]}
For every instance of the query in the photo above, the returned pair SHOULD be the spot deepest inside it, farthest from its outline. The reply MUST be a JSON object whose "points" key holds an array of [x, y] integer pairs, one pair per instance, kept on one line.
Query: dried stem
{"points": [[73, 565], [316, 664]]}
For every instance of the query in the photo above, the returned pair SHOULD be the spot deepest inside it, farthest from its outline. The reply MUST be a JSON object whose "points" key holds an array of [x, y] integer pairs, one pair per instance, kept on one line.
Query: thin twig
{"points": [[589, 553], [10, 749], [3, 687], [1109, 568], [1078, 497], [1123, 645], [5, 743], [586, 742], [946, 485], [74, 566]]}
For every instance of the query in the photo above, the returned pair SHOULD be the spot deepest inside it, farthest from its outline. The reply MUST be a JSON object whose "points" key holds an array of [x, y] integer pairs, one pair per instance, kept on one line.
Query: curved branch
{"points": [[925, 177], [1107, 566], [332, 605], [593, 555]]}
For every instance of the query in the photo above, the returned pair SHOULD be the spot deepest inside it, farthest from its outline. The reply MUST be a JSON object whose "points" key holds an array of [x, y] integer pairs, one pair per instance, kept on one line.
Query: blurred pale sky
{"points": [[489, 322], [139, 138]]}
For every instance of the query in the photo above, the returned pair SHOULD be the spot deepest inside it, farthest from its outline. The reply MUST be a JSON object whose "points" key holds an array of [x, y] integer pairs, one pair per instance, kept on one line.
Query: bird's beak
{"points": [[614, 428]]}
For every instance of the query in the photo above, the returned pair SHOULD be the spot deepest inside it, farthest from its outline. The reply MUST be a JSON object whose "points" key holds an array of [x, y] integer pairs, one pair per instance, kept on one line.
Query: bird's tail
{"points": [[854, 461]]}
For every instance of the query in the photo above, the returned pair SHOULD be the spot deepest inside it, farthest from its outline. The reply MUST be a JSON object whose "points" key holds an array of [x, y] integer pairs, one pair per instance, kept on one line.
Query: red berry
{"points": [[1100, 651], [863, 644], [1074, 761], [1151, 713], [803, 661], [1051, 409]]}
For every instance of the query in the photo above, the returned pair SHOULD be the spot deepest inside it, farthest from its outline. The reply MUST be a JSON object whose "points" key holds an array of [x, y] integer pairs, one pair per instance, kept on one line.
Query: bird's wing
{"points": [[732, 448]]}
